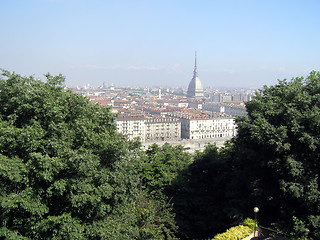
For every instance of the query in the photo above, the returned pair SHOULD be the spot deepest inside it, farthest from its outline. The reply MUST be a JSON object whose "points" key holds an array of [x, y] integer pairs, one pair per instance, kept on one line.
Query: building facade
{"points": [[162, 130], [232, 109], [207, 128], [132, 127]]}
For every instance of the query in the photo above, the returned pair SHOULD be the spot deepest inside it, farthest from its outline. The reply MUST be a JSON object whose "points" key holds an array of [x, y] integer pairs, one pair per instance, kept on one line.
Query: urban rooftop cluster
{"points": [[192, 117]]}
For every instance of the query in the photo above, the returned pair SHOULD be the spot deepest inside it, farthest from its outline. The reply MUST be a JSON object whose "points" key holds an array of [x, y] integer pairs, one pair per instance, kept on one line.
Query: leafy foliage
{"points": [[154, 218], [272, 163], [234, 233], [65, 173], [250, 223], [162, 166], [201, 204], [160, 169], [278, 146]]}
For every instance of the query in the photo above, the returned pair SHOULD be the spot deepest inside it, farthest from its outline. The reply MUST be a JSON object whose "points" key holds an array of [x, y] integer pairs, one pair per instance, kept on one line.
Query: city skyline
{"points": [[152, 43]]}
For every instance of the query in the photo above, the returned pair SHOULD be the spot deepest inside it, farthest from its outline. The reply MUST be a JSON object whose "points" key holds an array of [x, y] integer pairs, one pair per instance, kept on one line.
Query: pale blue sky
{"points": [[244, 43]]}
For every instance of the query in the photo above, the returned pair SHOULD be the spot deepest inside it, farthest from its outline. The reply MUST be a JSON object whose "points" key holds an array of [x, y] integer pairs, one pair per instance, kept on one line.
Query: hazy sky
{"points": [[244, 43]]}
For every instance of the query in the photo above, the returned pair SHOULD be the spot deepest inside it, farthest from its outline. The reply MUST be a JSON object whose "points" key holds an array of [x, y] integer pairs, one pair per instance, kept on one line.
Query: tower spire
{"points": [[195, 87], [195, 71]]}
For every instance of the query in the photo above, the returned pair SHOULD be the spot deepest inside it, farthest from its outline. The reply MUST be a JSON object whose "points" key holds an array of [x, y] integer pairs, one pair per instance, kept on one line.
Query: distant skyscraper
{"points": [[195, 88]]}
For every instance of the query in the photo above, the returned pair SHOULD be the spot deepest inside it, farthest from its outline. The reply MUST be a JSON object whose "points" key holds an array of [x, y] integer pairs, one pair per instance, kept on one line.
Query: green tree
{"points": [[65, 173], [273, 163], [160, 168], [278, 148], [201, 200]]}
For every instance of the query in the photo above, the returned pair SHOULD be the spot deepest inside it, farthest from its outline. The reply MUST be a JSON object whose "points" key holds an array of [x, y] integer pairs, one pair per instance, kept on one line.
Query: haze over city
{"points": [[152, 43]]}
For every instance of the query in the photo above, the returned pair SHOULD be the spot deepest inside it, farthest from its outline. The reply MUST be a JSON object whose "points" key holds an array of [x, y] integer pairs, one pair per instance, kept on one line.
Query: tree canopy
{"points": [[160, 169], [162, 166], [278, 145], [200, 196], [273, 163], [65, 172]]}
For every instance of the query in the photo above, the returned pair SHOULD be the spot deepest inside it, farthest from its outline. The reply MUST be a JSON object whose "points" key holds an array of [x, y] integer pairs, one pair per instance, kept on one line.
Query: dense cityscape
{"points": [[191, 117]]}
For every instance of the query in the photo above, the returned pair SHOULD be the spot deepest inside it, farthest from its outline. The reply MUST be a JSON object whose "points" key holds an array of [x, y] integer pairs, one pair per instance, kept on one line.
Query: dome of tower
{"points": [[195, 88]]}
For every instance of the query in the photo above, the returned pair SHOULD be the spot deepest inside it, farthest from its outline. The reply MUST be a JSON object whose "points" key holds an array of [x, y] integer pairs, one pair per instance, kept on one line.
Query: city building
{"points": [[162, 129], [196, 127], [230, 108], [132, 126], [155, 129]]}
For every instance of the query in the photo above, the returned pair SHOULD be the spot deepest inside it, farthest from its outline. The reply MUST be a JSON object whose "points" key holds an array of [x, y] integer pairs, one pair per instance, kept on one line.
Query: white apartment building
{"points": [[166, 129], [159, 129], [162, 129], [132, 127], [196, 128]]}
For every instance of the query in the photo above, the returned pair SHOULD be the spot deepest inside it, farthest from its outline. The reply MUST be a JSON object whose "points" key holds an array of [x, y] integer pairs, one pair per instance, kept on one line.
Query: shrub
{"points": [[234, 233], [250, 223]]}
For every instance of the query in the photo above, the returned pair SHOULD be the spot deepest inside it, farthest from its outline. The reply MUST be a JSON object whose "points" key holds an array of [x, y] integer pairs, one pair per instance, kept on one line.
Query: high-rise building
{"points": [[195, 88]]}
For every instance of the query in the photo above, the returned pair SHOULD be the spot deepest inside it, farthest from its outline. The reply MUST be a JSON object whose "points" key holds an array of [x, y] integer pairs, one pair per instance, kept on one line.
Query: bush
{"points": [[250, 223], [234, 233]]}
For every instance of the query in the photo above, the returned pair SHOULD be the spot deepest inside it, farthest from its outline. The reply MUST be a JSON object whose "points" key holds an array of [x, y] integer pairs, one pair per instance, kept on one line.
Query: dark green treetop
{"points": [[273, 163], [278, 146], [160, 168], [201, 200], [65, 173]]}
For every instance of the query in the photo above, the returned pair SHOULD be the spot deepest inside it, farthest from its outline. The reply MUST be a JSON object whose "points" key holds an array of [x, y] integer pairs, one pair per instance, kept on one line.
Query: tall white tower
{"points": [[195, 88]]}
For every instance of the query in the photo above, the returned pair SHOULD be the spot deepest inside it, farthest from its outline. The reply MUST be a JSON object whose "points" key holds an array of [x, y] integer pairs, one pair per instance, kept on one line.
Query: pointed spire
{"points": [[195, 71], [195, 87]]}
